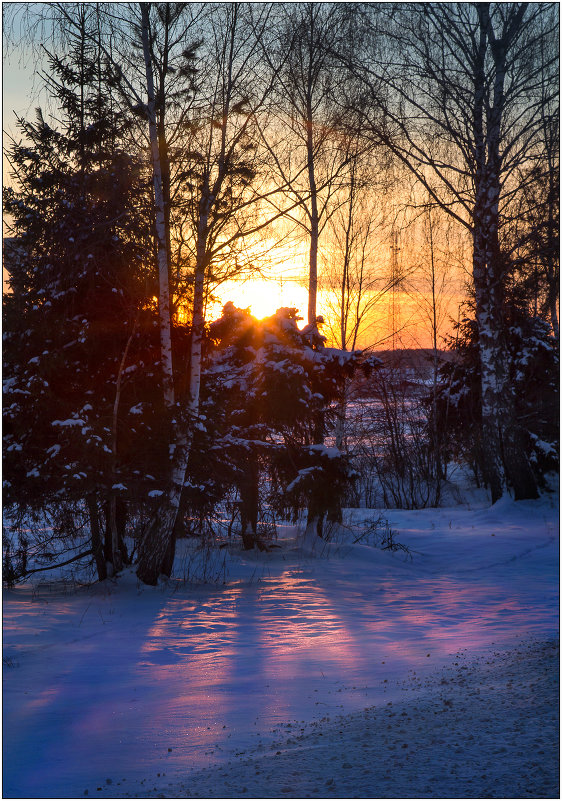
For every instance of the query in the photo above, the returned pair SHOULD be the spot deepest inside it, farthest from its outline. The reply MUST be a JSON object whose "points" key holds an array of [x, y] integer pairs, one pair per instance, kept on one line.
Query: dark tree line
{"points": [[183, 132]]}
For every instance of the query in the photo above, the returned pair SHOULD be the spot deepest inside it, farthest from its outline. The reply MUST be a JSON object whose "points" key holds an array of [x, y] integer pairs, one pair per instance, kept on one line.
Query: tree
{"points": [[159, 93], [162, 230], [462, 110], [77, 308], [154, 548], [219, 202], [534, 223], [434, 289], [354, 276], [213, 164], [264, 390], [311, 159], [534, 368], [353, 279]]}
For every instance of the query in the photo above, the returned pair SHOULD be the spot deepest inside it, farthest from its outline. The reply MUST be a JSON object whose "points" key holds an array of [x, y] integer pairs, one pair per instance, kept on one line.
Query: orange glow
{"points": [[182, 315], [399, 318], [410, 318], [262, 296]]}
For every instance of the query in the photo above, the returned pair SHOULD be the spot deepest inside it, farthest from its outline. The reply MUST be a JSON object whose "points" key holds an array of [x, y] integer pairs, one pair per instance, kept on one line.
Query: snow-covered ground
{"points": [[482, 727], [317, 670]]}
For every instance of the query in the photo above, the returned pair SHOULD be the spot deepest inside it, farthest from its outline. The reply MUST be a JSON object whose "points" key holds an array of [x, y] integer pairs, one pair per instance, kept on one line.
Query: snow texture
{"points": [[482, 727], [321, 670]]}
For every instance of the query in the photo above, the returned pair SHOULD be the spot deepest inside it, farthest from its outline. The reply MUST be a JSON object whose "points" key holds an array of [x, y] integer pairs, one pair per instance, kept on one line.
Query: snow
{"points": [[14, 447], [427, 745], [330, 452], [320, 669]]}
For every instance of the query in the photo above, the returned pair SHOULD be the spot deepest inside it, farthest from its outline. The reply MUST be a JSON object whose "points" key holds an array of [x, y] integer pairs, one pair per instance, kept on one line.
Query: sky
{"points": [[21, 91], [284, 284]]}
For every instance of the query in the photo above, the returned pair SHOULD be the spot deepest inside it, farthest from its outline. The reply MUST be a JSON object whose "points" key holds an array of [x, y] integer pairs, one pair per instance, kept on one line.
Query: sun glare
{"points": [[262, 296]]}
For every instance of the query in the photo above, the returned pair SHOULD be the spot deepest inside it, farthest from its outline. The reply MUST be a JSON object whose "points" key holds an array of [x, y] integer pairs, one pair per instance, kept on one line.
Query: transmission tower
{"points": [[395, 278]]}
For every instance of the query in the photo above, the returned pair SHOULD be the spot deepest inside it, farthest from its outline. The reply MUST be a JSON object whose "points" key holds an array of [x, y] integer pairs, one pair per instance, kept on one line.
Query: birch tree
{"points": [[222, 205], [309, 154], [462, 111], [155, 548], [354, 278], [138, 94]]}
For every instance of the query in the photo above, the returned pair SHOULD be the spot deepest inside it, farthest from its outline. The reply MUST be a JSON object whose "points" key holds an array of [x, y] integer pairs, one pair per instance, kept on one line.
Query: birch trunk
{"points": [[491, 378], [344, 311], [155, 544], [314, 220], [156, 554], [157, 548], [439, 471], [486, 300], [315, 518], [504, 457], [154, 551]]}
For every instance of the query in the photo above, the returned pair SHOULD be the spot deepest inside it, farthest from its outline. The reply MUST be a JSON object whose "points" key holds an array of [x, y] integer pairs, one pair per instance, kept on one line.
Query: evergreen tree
{"points": [[77, 323], [531, 353], [265, 387]]}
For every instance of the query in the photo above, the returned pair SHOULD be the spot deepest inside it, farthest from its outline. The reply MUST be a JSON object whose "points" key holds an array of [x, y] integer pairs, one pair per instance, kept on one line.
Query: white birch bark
{"points": [[436, 436], [314, 227], [505, 458], [158, 536], [484, 223]]}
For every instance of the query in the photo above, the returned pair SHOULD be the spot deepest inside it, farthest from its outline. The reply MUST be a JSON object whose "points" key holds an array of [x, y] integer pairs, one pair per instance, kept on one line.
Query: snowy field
{"points": [[316, 670]]}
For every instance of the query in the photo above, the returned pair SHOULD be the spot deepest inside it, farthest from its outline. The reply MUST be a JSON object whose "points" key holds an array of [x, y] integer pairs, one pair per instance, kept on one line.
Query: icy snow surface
{"points": [[124, 689]]}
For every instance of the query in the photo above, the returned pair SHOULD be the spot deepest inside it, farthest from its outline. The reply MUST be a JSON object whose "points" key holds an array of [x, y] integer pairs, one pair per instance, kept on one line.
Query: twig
{"points": [[62, 564]]}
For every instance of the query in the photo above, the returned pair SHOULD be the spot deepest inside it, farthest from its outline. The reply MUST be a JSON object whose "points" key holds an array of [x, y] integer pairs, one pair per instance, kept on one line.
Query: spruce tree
{"points": [[266, 384], [78, 315], [531, 352]]}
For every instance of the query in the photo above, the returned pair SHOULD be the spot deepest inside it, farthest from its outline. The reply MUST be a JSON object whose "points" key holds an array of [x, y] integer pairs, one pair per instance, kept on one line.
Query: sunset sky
{"points": [[284, 270], [281, 441]]}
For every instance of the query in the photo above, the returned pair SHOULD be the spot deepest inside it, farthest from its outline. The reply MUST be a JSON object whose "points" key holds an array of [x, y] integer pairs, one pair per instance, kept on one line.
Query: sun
{"points": [[262, 296]]}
